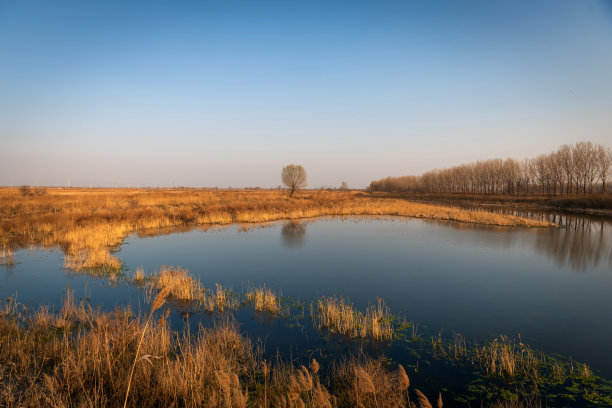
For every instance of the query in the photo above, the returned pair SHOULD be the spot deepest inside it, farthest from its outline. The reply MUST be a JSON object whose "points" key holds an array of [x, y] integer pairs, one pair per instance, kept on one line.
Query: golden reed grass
{"points": [[118, 359], [339, 316], [264, 300], [180, 286], [88, 224]]}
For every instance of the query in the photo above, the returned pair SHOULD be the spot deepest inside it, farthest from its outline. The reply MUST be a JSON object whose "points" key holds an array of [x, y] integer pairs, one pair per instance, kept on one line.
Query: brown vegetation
{"points": [[82, 357], [88, 224], [264, 300], [339, 316], [179, 285]]}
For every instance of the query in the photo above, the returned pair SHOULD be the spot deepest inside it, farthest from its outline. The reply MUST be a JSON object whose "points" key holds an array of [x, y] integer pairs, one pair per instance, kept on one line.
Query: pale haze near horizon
{"points": [[219, 94]]}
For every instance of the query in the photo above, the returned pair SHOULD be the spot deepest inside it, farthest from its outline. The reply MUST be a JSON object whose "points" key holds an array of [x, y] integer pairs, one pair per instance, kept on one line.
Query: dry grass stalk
{"points": [[158, 302]]}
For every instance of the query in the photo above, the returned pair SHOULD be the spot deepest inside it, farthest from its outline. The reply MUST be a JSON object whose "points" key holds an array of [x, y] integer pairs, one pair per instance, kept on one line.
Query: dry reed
{"points": [[118, 359], [505, 358], [264, 300], [339, 316]]}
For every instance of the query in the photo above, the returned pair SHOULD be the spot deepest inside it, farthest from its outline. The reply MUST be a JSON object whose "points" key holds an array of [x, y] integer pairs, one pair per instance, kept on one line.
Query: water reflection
{"points": [[581, 243], [293, 234]]}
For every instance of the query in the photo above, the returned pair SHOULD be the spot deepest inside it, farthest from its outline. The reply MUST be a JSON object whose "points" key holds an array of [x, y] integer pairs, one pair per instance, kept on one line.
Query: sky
{"points": [[225, 93]]}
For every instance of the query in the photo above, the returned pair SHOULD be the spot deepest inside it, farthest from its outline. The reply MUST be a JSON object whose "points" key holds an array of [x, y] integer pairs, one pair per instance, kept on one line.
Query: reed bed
{"points": [[505, 358], [119, 359], [88, 224], [264, 300], [180, 286], [339, 316]]}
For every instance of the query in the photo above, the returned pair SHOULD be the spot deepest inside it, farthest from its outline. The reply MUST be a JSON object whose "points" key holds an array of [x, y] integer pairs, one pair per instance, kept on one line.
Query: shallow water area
{"points": [[550, 285]]}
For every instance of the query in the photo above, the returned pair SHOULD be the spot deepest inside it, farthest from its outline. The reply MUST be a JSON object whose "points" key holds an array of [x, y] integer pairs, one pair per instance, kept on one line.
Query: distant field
{"points": [[86, 224]]}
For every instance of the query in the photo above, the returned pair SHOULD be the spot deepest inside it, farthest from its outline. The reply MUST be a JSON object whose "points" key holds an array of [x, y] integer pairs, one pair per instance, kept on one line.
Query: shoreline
{"points": [[87, 224]]}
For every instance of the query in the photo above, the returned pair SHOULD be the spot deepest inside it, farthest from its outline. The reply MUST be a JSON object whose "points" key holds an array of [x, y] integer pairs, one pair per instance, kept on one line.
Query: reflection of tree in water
{"points": [[582, 242], [293, 234]]}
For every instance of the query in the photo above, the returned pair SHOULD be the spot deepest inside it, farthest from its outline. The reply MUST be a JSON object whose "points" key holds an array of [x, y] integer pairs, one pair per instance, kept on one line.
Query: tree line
{"points": [[572, 169]]}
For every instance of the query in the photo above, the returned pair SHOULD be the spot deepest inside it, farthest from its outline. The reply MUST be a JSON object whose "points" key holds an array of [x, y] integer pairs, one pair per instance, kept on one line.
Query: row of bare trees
{"points": [[572, 169]]}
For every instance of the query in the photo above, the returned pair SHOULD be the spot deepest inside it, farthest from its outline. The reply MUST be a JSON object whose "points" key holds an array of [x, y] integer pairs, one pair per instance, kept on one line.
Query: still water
{"points": [[553, 286]]}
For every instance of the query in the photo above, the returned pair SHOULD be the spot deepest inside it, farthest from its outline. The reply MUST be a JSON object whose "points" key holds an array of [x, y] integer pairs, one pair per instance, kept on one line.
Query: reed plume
{"points": [[422, 399], [158, 302], [404, 381]]}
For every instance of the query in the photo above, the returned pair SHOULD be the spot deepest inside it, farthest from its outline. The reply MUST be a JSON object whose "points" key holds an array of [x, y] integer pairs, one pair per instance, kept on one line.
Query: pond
{"points": [[553, 286]]}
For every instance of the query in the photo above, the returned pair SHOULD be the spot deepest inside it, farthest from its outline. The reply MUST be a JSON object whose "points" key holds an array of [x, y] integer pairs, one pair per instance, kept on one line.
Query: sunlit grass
{"points": [[339, 316], [264, 300]]}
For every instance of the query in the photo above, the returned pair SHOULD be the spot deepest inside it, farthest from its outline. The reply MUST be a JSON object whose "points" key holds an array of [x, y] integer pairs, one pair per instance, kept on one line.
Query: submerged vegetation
{"points": [[89, 224]]}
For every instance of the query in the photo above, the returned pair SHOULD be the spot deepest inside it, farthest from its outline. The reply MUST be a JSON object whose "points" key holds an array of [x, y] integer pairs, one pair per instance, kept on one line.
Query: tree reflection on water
{"points": [[293, 234]]}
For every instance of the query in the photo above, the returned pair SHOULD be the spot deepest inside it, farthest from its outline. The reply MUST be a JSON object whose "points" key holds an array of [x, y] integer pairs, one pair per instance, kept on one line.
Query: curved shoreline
{"points": [[87, 225]]}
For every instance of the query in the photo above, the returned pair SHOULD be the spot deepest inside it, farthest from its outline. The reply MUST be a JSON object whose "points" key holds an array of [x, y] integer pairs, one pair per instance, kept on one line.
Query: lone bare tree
{"points": [[294, 177]]}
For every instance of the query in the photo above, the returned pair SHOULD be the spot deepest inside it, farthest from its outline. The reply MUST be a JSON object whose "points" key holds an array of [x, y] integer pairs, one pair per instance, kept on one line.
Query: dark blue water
{"points": [[552, 286]]}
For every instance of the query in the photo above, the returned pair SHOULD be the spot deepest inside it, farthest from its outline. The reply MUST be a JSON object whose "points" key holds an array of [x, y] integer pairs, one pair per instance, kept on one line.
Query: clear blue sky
{"points": [[225, 93]]}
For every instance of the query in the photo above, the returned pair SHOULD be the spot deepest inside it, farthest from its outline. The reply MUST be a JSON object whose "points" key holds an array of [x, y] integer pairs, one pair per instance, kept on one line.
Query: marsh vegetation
{"points": [[196, 338]]}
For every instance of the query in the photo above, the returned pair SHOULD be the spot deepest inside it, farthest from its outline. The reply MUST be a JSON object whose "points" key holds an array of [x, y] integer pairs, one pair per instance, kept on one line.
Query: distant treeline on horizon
{"points": [[572, 169]]}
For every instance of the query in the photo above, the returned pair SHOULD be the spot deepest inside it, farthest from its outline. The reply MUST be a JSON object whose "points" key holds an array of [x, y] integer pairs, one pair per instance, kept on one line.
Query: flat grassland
{"points": [[87, 224]]}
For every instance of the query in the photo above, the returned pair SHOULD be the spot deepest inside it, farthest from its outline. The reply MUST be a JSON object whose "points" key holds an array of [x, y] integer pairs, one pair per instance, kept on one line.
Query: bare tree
{"points": [[294, 177], [344, 185], [604, 164], [572, 168], [564, 157]]}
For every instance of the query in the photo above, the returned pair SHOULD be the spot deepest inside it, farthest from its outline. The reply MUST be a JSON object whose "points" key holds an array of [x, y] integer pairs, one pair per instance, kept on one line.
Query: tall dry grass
{"points": [[118, 359], [340, 316], [506, 358], [264, 300], [88, 224], [180, 286]]}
